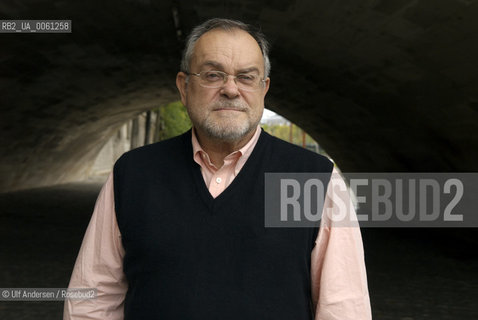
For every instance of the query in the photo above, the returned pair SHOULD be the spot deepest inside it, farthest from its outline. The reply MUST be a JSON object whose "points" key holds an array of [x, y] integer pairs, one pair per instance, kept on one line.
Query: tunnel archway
{"points": [[385, 85]]}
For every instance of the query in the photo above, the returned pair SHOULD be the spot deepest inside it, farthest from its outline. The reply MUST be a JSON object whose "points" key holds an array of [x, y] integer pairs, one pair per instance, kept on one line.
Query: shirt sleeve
{"points": [[338, 276], [99, 265]]}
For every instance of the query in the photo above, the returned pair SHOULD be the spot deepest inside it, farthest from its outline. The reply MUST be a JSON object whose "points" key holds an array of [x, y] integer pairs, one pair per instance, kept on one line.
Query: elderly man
{"points": [[178, 229]]}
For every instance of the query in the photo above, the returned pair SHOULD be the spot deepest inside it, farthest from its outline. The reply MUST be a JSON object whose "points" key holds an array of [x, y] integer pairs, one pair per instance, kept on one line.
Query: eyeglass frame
{"points": [[225, 78]]}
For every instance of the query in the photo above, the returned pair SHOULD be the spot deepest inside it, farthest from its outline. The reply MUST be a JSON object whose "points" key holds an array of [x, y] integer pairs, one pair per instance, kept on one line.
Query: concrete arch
{"points": [[382, 85]]}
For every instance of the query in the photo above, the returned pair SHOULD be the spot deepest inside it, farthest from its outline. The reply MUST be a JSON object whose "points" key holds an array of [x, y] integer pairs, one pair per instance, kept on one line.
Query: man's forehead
{"points": [[232, 33], [234, 42]]}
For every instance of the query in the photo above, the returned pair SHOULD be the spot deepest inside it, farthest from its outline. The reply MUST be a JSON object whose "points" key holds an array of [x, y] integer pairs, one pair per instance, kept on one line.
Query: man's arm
{"points": [[100, 264], [338, 276]]}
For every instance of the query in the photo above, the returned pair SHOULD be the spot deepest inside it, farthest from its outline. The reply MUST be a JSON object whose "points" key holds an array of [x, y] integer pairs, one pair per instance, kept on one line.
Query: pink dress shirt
{"points": [[338, 276]]}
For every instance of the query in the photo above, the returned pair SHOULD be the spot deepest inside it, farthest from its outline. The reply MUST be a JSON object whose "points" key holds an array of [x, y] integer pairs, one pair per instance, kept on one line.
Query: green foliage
{"points": [[174, 120], [282, 131]]}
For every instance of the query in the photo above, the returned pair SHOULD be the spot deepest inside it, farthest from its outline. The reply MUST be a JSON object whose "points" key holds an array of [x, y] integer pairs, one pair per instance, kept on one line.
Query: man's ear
{"points": [[266, 85], [182, 83]]}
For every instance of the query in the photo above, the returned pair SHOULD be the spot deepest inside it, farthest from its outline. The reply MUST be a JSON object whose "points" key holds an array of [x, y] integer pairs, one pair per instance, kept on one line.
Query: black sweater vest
{"points": [[190, 256]]}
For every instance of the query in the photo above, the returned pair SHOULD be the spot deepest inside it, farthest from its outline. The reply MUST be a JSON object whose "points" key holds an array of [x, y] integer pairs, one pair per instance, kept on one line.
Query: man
{"points": [[178, 229]]}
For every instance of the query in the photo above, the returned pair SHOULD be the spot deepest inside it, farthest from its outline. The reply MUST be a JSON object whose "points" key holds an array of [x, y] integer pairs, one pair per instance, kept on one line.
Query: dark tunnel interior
{"points": [[382, 85]]}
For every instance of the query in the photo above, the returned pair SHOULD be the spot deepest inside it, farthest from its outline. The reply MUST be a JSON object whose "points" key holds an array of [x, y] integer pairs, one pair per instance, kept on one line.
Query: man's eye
{"points": [[213, 76], [246, 78]]}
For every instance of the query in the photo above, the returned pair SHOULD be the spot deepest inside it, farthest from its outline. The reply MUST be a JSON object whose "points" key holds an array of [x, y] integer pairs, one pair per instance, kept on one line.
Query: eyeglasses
{"points": [[217, 79]]}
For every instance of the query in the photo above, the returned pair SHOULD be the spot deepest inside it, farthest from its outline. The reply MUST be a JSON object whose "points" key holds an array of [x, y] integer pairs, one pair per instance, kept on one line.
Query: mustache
{"points": [[234, 105]]}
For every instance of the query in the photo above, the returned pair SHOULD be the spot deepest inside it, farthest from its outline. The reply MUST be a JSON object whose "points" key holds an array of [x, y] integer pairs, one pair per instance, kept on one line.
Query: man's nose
{"points": [[230, 88]]}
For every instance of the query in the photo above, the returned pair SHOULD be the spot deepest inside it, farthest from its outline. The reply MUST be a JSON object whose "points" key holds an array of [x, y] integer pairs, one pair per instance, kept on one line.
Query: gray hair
{"points": [[227, 25]]}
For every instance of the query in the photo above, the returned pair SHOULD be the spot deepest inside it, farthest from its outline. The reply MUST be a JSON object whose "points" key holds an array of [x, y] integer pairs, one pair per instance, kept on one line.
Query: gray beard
{"points": [[228, 132]]}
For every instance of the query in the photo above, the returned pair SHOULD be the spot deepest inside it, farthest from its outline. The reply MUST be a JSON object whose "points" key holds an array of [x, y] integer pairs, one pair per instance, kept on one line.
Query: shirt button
{"points": [[218, 180]]}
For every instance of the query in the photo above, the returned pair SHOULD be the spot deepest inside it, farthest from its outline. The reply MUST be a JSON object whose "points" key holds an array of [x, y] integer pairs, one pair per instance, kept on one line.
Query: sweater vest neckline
{"points": [[201, 186]]}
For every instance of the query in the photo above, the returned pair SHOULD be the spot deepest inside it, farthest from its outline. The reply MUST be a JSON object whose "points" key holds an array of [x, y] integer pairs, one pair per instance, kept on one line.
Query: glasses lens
{"points": [[213, 77], [247, 81]]}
